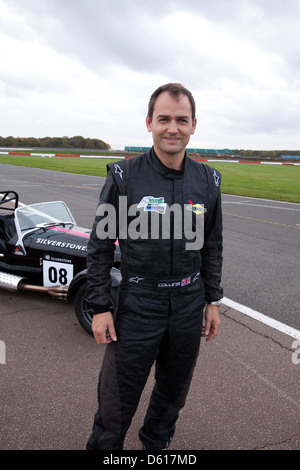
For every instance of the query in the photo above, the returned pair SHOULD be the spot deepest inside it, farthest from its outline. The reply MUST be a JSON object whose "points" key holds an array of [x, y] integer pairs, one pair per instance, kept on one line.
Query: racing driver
{"points": [[170, 275]]}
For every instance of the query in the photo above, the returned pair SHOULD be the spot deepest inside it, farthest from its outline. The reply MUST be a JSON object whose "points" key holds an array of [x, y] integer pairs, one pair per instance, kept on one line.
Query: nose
{"points": [[172, 127]]}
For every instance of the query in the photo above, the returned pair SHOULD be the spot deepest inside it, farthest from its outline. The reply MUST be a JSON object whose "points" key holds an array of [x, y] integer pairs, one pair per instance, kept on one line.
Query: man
{"points": [[168, 277]]}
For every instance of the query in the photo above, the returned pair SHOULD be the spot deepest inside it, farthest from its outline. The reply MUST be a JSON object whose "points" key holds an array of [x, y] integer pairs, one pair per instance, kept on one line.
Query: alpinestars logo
{"points": [[136, 279], [216, 178], [118, 170]]}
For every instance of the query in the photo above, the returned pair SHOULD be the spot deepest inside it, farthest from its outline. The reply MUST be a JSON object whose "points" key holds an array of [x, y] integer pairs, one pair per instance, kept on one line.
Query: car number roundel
{"points": [[55, 274]]}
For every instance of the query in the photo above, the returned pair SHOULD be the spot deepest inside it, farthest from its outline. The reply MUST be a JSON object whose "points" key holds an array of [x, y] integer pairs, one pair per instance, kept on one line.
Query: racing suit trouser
{"points": [[151, 325]]}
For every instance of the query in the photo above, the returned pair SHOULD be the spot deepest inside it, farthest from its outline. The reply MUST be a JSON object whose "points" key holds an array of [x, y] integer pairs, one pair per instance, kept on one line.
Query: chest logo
{"points": [[153, 204], [196, 208]]}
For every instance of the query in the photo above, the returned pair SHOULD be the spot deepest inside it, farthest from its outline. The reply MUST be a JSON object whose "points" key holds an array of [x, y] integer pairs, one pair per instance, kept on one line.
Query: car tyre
{"points": [[83, 308]]}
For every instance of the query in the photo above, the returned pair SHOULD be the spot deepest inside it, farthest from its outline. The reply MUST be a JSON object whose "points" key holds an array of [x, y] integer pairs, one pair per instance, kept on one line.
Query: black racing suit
{"points": [[165, 285]]}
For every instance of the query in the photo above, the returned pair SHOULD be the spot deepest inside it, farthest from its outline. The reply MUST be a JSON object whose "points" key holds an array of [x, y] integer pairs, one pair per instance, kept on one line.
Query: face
{"points": [[171, 126]]}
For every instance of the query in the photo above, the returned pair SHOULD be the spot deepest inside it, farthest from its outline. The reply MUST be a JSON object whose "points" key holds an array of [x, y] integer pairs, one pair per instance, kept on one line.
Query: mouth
{"points": [[172, 140]]}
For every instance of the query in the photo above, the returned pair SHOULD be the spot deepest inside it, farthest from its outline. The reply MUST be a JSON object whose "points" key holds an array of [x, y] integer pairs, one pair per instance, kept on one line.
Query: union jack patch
{"points": [[186, 281]]}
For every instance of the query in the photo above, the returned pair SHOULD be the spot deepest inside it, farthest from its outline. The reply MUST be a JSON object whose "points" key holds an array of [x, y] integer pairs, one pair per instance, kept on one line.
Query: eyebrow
{"points": [[167, 116]]}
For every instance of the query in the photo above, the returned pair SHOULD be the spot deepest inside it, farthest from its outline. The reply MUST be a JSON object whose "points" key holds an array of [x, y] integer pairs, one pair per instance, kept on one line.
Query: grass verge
{"points": [[278, 182]]}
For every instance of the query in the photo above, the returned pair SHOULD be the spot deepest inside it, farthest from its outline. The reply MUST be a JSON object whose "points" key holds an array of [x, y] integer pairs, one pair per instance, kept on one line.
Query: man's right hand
{"points": [[103, 328]]}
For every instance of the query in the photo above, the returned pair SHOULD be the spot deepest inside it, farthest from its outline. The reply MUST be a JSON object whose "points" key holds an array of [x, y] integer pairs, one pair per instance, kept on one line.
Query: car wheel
{"points": [[83, 309]]}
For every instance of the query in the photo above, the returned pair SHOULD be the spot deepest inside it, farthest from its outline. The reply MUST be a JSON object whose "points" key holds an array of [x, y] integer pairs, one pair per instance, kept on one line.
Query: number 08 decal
{"points": [[55, 274]]}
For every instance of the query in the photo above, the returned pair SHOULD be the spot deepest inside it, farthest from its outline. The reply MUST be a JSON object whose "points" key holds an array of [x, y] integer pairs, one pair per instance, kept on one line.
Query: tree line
{"points": [[77, 142]]}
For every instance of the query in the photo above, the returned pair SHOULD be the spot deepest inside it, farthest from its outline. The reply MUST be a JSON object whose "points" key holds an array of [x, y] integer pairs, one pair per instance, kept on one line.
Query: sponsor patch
{"points": [[197, 208], [153, 204]]}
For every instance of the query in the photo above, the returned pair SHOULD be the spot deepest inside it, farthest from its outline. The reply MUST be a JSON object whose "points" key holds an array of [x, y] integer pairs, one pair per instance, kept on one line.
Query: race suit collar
{"points": [[168, 173]]}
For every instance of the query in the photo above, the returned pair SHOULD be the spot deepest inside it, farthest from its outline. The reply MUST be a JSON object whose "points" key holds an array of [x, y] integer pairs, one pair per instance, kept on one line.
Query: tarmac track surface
{"points": [[245, 392]]}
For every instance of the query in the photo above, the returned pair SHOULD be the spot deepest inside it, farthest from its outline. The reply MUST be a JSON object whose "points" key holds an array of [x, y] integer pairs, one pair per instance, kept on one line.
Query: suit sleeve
{"points": [[211, 252], [100, 251]]}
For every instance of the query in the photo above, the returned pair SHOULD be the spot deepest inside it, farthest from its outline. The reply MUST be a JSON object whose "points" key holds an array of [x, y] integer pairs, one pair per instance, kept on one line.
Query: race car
{"points": [[43, 250]]}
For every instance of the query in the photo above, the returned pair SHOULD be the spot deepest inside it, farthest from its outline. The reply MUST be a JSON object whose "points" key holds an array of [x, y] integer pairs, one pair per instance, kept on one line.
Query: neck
{"points": [[173, 161]]}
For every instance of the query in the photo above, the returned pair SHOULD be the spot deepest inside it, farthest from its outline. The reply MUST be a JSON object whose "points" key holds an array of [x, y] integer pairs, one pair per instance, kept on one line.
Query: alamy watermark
{"points": [[2, 352], [165, 221]]}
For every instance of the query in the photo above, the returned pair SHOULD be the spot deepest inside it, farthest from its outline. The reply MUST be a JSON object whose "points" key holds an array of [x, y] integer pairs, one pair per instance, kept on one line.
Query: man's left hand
{"points": [[212, 322]]}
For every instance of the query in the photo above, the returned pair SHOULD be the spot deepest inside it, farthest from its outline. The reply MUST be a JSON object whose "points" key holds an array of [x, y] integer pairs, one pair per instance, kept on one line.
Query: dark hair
{"points": [[175, 90]]}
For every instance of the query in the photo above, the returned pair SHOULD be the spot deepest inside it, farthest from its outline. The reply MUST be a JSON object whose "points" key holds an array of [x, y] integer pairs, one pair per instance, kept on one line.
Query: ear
{"points": [[148, 124], [194, 126]]}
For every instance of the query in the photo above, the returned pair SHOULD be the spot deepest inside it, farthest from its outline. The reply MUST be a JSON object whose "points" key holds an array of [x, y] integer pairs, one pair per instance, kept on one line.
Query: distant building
{"points": [[188, 150], [290, 156]]}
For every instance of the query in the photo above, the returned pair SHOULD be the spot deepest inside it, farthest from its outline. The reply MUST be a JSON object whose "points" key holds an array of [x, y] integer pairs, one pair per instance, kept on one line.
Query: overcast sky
{"points": [[88, 67]]}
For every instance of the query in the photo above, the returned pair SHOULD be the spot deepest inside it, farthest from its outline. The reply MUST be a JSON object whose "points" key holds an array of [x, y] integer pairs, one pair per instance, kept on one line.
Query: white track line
{"points": [[288, 330]]}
